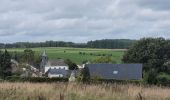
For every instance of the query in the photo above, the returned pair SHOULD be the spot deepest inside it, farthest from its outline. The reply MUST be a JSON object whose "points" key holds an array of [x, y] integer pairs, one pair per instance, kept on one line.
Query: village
{"points": [[84, 50], [58, 68]]}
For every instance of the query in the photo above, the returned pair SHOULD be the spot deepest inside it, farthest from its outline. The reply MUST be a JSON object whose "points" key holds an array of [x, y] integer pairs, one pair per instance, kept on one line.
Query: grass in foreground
{"points": [[75, 91]]}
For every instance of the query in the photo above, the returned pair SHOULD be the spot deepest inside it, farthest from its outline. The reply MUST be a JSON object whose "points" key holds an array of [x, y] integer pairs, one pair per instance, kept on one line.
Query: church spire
{"points": [[44, 54], [44, 61]]}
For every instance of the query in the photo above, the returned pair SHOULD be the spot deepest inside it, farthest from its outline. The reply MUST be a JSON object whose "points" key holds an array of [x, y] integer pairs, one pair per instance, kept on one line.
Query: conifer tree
{"points": [[5, 69]]}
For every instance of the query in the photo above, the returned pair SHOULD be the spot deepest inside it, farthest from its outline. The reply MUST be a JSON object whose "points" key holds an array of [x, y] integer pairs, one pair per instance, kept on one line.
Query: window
{"points": [[115, 72]]}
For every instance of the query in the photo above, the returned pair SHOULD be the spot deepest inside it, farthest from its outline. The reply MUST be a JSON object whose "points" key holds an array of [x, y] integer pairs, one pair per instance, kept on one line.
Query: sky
{"points": [[82, 20]]}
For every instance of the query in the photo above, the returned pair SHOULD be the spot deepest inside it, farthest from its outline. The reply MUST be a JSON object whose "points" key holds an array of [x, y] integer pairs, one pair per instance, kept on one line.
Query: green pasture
{"points": [[74, 53]]}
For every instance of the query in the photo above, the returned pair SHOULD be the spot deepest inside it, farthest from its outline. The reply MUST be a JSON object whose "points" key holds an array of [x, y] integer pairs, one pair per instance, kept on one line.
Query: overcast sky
{"points": [[83, 20]]}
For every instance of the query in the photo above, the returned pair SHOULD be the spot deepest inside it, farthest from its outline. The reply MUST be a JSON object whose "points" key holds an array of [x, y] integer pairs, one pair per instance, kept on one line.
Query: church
{"points": [[53, 68]]}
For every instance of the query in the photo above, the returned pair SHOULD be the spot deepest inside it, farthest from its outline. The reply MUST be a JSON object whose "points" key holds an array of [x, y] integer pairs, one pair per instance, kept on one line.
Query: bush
{"points": [[35, 79], [163, 79], [95, 78], [84, 75], [91, 54], [103, 54], [119, 81], [72, 65], [13, 78]]}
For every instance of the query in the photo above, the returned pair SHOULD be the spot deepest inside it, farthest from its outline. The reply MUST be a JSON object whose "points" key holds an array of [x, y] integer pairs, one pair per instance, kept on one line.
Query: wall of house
{"points": [[55, 75], [55, 67]]}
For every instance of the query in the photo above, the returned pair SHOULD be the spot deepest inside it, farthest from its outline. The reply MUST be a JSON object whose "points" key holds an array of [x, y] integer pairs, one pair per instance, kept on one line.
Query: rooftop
{"points": [[58, 62]]}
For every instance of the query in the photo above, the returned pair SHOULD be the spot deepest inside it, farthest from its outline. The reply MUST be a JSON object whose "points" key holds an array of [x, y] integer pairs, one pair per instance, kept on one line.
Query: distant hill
{"points": [[104, 44]]}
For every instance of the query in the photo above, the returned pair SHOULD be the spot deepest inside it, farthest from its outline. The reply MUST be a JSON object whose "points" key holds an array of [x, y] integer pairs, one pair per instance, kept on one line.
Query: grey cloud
{"points": [[82, 20], [155, 4]]}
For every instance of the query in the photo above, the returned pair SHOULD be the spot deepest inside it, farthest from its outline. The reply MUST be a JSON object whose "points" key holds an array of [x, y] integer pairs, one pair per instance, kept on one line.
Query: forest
{"points": [[105, 44]]}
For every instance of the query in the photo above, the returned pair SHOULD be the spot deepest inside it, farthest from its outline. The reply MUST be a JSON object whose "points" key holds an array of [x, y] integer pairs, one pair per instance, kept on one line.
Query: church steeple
{"points": [[44, 54], [44, 61]]}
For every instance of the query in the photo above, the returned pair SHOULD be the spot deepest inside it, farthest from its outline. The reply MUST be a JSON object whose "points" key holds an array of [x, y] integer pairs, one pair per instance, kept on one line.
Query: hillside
{"points": [[77, 55]]}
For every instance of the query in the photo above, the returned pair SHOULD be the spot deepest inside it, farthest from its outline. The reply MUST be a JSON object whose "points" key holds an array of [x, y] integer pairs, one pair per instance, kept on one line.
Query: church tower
{"points": [[44, 61]]}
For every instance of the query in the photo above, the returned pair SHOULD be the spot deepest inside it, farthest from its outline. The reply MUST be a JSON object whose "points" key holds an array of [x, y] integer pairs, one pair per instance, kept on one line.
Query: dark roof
{"points": [[58, 71], [58, 62], [116, 71]]}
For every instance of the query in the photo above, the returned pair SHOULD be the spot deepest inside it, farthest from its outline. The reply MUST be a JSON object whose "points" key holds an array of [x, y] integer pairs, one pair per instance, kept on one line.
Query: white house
{"points": [[56, 64], [56, 68], [53, 68]]}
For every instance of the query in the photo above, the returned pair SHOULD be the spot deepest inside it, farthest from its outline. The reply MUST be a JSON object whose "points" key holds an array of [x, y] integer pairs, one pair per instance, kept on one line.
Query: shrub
{"points": [[85, 75], [84, 53], [95, 78], [103, 54], [13, 78], [72, 65], [91, 54], [120, 81], [80, 53], [35, 79], [163, 79]]}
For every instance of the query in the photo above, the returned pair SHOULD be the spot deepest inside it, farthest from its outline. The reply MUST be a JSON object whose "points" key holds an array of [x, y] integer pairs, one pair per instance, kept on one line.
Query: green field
{"points": [[74, 53]]}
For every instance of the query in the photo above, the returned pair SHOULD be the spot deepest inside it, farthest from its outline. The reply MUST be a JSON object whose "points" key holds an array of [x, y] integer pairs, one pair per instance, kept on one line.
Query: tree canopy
{"points": [[154, 53], [28, 55], [71, 65], [5, 64]]}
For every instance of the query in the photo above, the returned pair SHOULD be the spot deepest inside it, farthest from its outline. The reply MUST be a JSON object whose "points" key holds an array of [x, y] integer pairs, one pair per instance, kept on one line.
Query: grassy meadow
{"points": [[73, 53], [77, 91]]}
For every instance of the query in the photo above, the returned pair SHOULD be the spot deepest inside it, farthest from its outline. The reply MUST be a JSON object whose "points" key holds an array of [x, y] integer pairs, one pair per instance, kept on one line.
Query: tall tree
{"points": [[1, 71], [72, 65], [5, 65], [153, 53], [28, 55]]}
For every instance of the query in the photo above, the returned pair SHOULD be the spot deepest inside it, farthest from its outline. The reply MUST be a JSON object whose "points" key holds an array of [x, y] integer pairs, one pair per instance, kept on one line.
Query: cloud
{"points": [[81, 21], [155, 4]]}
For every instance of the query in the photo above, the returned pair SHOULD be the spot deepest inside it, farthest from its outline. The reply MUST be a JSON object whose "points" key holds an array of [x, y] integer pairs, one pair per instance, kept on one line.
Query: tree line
{"points": [[111, 43], [106, 43]]}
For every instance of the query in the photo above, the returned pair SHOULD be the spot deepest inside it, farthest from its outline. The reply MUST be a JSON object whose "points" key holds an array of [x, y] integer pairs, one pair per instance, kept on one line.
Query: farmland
{"points": [[78, 91], [77, 55]]}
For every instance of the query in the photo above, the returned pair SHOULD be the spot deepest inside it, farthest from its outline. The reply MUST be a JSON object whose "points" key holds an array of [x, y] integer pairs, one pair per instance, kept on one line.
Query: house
{"points": [[53, 68], [115, 71], [56, 64], [60, 72], [56, 68]]}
